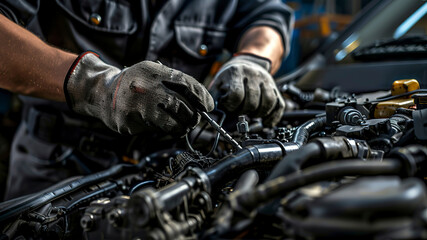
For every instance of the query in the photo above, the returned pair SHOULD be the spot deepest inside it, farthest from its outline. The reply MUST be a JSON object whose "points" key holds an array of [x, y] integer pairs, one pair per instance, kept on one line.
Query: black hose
{"points": [[293, 161], [248, 158], [5, 205], [303, 132], [296, 94], [387, 98], [282, 185], [320, 149], [302, 114], [43, 198], [396, 122], [106, 188], [244, 159], [247, 181], [173, 195], [405, 111], [407, 137]]}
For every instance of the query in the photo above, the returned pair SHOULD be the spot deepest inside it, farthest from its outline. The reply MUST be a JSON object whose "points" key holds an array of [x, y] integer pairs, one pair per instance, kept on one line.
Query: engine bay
{"points": [[337, 166]]}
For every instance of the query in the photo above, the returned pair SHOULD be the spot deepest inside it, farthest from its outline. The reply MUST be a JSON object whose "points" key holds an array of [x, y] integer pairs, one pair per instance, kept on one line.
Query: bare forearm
{"points": [[265, 42], [29, 66]]}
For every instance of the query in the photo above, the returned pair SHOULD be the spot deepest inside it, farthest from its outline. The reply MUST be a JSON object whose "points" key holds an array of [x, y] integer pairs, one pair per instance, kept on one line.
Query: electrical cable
{"points": [[199, 133], [214, 146], [386, 98], [217, 137], [139, 185], [190, 147]]}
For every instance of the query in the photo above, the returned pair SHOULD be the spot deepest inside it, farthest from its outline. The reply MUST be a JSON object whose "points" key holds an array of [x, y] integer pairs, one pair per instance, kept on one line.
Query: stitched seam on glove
{"points": [[262, 61], [70, 71]]}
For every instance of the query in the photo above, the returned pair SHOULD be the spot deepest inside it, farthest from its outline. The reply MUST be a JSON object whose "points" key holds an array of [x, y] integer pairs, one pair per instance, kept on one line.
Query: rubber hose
{"points": [[293, 161], [247, 158], [322, 172], [303, 132], [247, 181], [43, 198]]}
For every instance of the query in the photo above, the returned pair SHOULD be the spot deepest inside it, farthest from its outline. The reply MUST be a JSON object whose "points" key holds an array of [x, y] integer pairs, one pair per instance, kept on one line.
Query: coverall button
{"points": [[95, 19], [203, 50]]}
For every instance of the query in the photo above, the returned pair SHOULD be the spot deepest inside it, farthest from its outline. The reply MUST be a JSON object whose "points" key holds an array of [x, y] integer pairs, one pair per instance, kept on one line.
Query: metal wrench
{"points": [[221, 130]]}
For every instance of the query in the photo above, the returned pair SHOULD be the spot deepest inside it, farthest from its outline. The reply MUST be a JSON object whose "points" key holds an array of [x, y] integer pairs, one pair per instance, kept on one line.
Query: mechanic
{"points": [[185, 38]]}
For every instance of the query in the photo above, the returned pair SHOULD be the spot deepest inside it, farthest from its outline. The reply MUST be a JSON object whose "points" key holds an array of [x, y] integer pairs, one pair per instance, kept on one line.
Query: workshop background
{"points": [[316, 22]]}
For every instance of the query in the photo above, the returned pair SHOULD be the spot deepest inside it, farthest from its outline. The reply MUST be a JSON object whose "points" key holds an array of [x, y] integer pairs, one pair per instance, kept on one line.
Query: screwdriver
{"points": [[221, 130]]}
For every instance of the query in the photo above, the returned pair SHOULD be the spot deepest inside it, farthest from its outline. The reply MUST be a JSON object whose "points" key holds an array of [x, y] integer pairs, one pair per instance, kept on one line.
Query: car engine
{"points": [[337, 166]]}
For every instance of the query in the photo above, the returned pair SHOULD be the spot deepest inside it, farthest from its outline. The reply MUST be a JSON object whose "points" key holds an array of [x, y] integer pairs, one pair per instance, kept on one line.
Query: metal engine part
{"points": [[335, 174]]}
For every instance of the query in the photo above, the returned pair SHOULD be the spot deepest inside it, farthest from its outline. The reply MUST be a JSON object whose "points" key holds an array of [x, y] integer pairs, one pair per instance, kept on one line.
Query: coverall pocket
{"points": [[198, 41], [101, 15]]}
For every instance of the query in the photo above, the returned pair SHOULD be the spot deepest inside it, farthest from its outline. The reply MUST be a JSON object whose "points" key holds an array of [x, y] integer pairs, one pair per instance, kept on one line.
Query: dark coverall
{"points": [[186, 35]]}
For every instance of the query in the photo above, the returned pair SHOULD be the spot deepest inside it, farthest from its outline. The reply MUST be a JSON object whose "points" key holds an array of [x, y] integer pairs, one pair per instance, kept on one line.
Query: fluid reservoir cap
{"points": [[404, 86]]}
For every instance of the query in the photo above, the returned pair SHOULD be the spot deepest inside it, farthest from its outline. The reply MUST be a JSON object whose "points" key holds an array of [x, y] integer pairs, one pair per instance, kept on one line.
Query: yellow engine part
{"points": [[404, 86], [388, 108]]}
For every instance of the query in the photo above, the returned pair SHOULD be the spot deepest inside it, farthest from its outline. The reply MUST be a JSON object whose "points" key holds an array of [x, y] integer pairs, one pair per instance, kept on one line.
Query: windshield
{"points": [[399, 19]]}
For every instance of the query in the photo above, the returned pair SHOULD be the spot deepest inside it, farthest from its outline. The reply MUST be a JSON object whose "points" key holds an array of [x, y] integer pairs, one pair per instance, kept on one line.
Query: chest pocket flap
{"points": [[199, 42], [101, 15]]}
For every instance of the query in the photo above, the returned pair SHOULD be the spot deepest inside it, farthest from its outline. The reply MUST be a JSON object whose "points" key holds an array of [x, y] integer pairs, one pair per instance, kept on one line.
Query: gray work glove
{"points": [[245, 86], [145, 97]]}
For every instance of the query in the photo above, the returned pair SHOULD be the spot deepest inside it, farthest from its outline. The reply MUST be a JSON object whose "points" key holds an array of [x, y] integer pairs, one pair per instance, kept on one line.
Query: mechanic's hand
{"points": [[244, 85], [144, 97]]}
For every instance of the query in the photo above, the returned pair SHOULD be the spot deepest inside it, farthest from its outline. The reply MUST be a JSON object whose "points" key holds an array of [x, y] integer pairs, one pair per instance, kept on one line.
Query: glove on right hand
{"points": [[245, 86], [144, 97]]}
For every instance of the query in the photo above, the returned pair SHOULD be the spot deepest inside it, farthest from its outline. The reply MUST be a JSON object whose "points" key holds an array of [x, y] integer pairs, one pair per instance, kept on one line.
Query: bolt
{"points": [[243, 127], [87, 222], [351, 116], [115, 217], [202, 201]]}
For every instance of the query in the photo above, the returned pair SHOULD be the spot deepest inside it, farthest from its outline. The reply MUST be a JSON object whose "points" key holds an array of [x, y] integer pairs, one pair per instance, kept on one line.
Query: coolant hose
{"points": [[396, 121], [294, 160], [248, 158], [247, 181], [303, 132], [244, 159], [320, 148], [282, 185], [37, 200]]}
